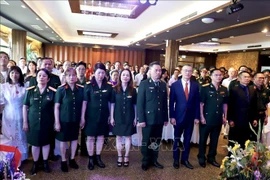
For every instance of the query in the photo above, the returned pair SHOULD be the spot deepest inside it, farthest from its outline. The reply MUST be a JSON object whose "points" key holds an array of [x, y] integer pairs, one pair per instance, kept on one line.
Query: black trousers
{"points": [[151, 142], [205, 131]]}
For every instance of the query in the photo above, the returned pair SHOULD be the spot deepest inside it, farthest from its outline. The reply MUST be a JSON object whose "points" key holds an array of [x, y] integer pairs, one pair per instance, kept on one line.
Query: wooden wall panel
{"points": [[237, 59], [92, 55]]}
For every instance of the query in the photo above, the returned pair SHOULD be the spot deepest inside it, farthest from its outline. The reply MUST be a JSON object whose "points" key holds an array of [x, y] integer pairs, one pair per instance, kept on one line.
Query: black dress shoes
{"points": [[144, 166], [176, 164], [214, 163], [187, 164], [202, 164], [158, 165]]}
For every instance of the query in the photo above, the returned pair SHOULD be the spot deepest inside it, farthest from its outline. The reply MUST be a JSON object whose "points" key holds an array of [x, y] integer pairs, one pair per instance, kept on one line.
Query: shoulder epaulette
{"points": [[80, 85], [51, 88], [206, 85], [62, 85], [55, 74], [32, 87], [88, 82]]}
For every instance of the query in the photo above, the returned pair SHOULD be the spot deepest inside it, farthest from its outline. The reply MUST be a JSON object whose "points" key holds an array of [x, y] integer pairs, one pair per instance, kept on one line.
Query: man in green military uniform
{"points": [[152, 109], [54, 79], [204, 78], [263, 95], [213, 108]]}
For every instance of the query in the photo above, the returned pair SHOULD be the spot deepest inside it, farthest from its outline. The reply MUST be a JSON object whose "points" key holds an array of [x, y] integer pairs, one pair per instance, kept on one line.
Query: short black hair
{"points": [[241, 67], [154, 63], [44, 70], [99, 66], [81, 63], [266, 70], [257, 74], [21, 78], [243, 72], [3, 52], [213, 70]]}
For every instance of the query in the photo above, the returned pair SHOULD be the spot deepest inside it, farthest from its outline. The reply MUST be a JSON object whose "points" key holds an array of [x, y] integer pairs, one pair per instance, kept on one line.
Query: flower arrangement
{"points": [[252, 163], [8, 169]]}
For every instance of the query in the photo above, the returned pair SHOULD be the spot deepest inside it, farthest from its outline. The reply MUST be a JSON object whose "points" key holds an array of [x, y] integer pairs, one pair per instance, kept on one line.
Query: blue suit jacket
{"points": [[182, 109]]}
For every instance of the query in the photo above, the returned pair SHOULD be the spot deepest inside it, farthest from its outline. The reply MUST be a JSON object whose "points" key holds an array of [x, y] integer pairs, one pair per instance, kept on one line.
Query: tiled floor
{"points": [[134, 171]]}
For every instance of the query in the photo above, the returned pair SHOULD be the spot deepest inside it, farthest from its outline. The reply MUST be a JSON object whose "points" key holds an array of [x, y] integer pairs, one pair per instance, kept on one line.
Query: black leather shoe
{"points": [[64, 166], [144, 166], [202, 164], [46, 167], [176, 164], [73, 164], [99, 162], [214, 163], [91, 163], [34, 168], [187, 164], [158, 165]]}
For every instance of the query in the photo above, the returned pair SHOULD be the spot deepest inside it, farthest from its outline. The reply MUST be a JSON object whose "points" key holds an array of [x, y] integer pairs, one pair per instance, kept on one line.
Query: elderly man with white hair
{"points": [[232, 76]]}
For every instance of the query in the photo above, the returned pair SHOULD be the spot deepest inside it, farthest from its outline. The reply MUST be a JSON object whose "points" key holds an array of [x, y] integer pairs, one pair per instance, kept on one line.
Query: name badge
{"points": [[104, 90]]}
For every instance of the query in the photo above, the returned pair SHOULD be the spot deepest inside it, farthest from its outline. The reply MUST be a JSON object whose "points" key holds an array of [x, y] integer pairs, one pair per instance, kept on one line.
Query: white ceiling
{"points": [[58, 15]]}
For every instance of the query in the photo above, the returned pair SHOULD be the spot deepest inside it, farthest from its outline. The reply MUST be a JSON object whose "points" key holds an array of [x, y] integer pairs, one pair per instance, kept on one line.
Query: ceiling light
{"points": [[192, 43], [220, 10], [209, 43], [3, 2], [155, 36], [187, 23], [96, 34], [168, 31], [183, 56], [162, 49], [231, 36], [52, 32], [143, 1], [46, 27], [37, 18], [137, 44], [215, 39], [208, 20], [37, 27], [23, 6], [144, 39], [265, 30], [180, 40]]}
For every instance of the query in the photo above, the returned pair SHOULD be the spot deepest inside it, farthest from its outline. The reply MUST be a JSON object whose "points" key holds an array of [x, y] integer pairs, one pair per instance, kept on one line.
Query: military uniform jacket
{"points": [[97, 110], [263, 95], [241, 110], [40, 106], [202, 81], [54, 81], [152, 103], [124, 106], [213, 103], [70, 102], [82, 83]]}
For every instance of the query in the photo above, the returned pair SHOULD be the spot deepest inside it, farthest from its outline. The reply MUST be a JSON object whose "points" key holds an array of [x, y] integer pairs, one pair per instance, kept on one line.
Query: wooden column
{"points": [[171, 55], [18, 44]]}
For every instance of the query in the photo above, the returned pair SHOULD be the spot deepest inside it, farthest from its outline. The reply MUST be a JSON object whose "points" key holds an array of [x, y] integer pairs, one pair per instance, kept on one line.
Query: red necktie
{"points": [[186, 91]]}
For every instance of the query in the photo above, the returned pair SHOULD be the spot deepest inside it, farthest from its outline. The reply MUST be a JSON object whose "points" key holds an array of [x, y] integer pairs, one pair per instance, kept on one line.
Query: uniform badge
{"points": [[222, 92]]}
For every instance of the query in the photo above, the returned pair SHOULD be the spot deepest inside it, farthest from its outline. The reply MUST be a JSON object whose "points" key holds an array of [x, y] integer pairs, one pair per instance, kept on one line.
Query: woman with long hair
{"points": [[38, 118], [95, 113], [67, 113], [11, 97], [123, 114]]}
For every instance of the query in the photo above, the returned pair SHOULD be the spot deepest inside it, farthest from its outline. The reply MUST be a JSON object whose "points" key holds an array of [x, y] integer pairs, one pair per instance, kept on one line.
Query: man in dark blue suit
{"points": [[184, 112]]}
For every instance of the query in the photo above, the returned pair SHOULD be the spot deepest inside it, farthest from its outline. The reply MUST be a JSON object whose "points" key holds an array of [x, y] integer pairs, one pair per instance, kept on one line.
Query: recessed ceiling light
{"points": [[46, 27], [37, 18], [180, 40], [23, 6], [168, 31], [56, 36], [52, 32], [96, 34], [155, 36], [144, 39], [187, 23], [192, 43], [265, 30], [37, 27], [231, 36], [137, 44], [220, 10], [162, 49], [264, 49]]}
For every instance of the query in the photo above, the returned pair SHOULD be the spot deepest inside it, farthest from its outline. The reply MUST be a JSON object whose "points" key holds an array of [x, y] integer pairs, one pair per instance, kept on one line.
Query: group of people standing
{"points": [[47, 110]]}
